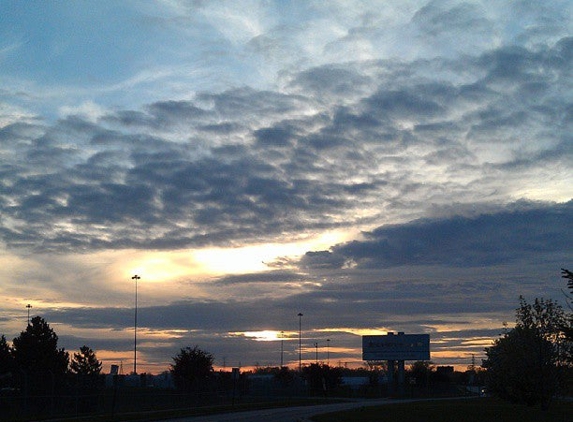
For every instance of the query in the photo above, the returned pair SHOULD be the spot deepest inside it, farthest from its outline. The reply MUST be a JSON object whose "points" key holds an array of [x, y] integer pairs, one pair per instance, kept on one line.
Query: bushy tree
{"points": [[568, 328], [322, 378], [421, 371], [192, 369], [285, 376], [544, 316], [524, 364], [548, 318]]}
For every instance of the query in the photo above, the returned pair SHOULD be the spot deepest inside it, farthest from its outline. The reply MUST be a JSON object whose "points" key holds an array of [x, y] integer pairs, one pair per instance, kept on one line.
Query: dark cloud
{"points": [[17, 134], [437, 19], [221, 128], [322, 259], [265, 277], [211, 315], [275, 136], [244, 102], [485, 240], [335, 81], [398, 104], [176, 111]]}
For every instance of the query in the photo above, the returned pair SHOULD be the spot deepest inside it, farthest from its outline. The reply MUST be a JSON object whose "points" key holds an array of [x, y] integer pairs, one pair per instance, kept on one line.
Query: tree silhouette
{"points": [[568, 329], [6, 362], [524, 364], [192, 369], [36, 355], [86, 369], [568, 275], [322, 378], [421, 371], [85, 363]]}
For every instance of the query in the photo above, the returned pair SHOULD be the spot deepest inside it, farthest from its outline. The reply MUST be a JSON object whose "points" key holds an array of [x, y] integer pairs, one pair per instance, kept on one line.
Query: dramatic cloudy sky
{"points": [[377, 166]]}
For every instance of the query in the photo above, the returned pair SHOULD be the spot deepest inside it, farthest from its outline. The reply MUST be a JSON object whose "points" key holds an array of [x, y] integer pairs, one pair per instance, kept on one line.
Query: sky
{"points": [[376, 166]]}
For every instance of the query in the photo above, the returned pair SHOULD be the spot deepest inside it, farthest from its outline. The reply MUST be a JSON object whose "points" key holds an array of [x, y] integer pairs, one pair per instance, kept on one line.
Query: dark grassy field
{"points": [[473, 410]]}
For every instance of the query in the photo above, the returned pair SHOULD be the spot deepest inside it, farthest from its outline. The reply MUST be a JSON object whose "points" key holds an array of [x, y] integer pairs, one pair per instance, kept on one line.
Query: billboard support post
{"points": [[390, 376], [401, 377]]}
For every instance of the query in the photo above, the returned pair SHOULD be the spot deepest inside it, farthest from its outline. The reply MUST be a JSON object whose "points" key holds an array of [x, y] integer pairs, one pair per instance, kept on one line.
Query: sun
{"points": [[264, 335]]}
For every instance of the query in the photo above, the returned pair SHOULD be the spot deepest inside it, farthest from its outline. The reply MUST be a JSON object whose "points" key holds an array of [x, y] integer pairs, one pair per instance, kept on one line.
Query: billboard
{"points": [[396, 347]]}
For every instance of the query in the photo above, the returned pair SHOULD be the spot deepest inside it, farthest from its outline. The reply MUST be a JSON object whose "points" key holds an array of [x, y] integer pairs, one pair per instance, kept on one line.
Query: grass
{"points": [[473, 410], [158, 415]]}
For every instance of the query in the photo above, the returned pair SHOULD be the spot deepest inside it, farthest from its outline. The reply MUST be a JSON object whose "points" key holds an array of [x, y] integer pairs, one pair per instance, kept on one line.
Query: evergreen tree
{"points": [[86, 369], [6, 363], [6, 360], [85, 363], [36, 355]]}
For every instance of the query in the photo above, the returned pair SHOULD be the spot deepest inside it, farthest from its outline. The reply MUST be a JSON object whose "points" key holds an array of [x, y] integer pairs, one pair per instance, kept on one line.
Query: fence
{"points": [[79, 398]]}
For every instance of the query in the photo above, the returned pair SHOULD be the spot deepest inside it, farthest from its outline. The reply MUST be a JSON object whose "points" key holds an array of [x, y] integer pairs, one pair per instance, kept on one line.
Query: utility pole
{"points": [[29, 307]]}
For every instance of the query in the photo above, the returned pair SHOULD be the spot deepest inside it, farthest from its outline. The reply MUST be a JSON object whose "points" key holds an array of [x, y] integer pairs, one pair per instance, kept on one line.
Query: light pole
{"points": [[328, 351], [282, 348], [135, 277], [299, 342], [29, 307], [316, 349]]}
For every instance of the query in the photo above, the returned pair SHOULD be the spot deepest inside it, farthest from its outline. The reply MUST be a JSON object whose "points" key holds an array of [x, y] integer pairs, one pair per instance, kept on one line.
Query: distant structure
{"points": [[114, 370], [445, 370], [395, 348]]}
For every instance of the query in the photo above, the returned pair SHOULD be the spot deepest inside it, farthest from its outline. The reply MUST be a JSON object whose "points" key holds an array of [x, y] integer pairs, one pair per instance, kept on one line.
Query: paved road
{"points": [[285, 414]]}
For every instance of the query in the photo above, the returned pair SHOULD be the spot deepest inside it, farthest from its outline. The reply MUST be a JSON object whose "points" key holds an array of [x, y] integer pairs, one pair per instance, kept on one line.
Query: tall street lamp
{"points": [[135, 277], [29, 307], [328, 351], [300, 342], [282, 348]]}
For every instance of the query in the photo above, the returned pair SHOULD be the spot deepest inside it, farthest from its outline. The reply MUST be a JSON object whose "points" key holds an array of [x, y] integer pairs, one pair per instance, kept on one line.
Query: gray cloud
{"points": [[244, 165], [490, 239], [277, 276], [436, 19]]}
